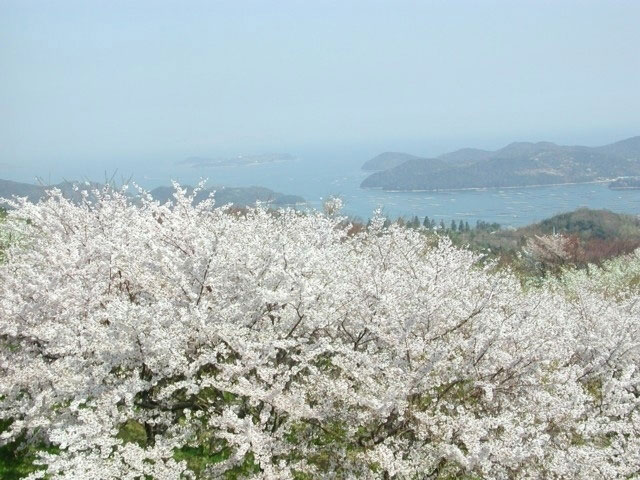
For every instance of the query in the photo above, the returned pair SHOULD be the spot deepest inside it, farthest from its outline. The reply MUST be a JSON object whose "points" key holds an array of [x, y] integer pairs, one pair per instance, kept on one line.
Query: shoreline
{"points": [[467, 189]]}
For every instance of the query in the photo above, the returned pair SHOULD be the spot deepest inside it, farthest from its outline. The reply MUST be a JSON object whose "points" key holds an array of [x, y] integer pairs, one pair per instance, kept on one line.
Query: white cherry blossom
{"points": [[282, 347]]}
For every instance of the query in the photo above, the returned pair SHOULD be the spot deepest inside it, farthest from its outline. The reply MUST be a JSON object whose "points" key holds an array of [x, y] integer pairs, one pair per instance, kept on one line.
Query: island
{"points": [[519, 164], [237, 161], [223, 195], [387, 160]]}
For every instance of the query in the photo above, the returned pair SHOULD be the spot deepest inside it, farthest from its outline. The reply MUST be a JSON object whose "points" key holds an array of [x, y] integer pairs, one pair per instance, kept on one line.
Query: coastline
{"points": [[436, 190]]}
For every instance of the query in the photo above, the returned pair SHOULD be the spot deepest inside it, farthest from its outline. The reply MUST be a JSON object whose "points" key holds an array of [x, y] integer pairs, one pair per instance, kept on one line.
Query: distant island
{"points": [[237, 161], [519, 164], [238, 196]]}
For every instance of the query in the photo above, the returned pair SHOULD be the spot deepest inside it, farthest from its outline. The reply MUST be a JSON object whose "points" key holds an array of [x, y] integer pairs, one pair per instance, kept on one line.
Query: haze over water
{"points": [[510, 207], [89, 87], [316, 175]]}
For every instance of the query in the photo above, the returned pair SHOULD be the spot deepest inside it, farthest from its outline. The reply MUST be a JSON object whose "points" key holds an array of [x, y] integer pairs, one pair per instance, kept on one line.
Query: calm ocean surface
{"points": [[315, 176]]}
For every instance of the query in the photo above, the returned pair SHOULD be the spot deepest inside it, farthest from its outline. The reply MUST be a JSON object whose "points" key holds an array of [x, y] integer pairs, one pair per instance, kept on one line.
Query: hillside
{"points": [[239, 196], [387, 160], [518, 164], [9, 188], [593, 235], [587, 223]]}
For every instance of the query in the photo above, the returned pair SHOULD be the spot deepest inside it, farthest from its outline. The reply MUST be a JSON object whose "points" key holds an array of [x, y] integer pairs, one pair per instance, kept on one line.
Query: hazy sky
{"points": [[90, 79]]}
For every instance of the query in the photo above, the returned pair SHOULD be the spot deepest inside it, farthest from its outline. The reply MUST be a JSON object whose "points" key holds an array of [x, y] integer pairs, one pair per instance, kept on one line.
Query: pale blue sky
{"points": [[93, 79]]}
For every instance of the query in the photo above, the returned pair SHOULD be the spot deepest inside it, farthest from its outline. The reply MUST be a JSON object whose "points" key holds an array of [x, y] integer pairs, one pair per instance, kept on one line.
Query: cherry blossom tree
{"points": [[275, 345], [552, 250]]}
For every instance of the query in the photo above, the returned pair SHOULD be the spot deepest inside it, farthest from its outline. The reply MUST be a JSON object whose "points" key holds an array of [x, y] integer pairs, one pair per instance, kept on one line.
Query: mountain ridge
{"points": [[238, 196], [519, 164], [387, 160]]}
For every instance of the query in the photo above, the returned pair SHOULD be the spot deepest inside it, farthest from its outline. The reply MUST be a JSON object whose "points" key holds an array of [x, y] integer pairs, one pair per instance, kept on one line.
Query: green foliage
{"points": [[209, 451], [16, 461], [600, 235], [595, 236], [198, 458], [587, 223], [247, 467], [594, 388], [17, 458], [133, 432]]}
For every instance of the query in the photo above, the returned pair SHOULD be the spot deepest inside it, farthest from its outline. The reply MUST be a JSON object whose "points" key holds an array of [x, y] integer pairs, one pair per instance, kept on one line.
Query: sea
{"points": [[317, 175]]}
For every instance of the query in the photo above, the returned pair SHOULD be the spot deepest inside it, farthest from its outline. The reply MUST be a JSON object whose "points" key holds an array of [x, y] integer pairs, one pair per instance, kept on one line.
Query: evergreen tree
{"points": [[442, 225], [454, 227], [466, 226], [426, 223], [461, 226]]}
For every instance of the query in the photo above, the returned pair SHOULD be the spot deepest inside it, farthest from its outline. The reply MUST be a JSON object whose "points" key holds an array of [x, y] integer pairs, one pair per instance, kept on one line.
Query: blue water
{"points": [[314, 176]]}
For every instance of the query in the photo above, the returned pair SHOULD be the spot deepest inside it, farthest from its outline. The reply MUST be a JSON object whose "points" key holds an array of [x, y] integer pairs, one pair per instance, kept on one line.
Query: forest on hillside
{"points": [[572, 239]]}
